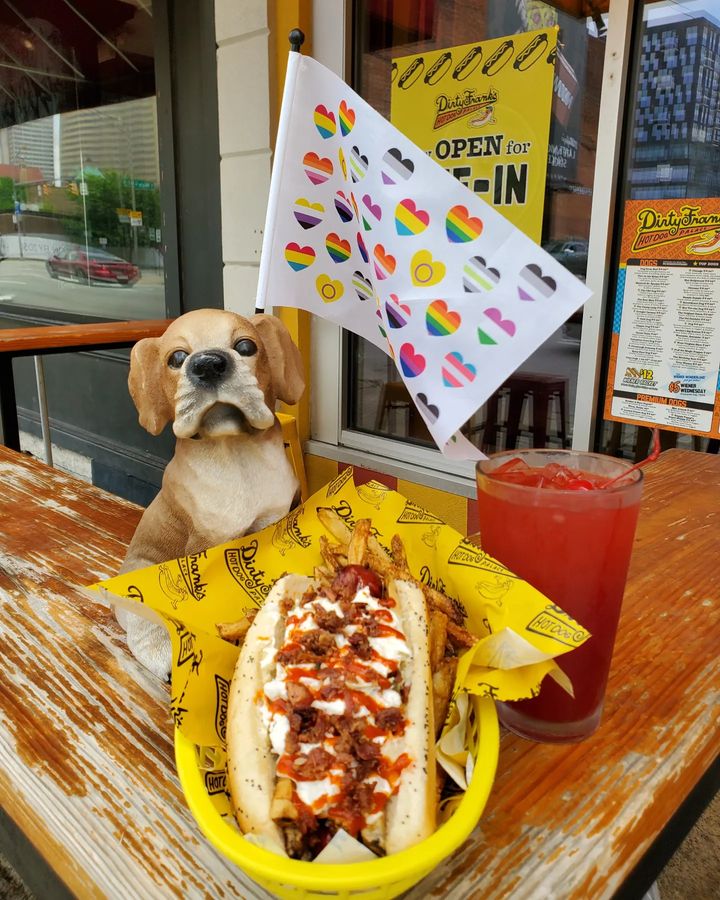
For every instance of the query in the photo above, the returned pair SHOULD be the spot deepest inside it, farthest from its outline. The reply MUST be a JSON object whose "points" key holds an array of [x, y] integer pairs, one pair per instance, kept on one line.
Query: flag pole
{"points": [[296, 38]]}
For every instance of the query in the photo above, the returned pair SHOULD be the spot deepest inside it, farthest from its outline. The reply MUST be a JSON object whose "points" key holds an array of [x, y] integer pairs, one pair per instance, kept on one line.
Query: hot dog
{"points": [[438, 69], [334, 701], [330, 716], [708, 243], [412, 73], [499, 59], [468, 64], [531, 53]]}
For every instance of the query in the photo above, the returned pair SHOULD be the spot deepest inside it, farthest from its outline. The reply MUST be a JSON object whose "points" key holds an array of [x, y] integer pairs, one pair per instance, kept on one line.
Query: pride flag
{"points": [[366, 230]]}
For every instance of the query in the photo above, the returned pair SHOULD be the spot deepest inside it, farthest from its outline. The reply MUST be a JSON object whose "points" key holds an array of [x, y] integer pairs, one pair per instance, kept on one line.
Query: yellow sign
{"points": [[483, 112]]}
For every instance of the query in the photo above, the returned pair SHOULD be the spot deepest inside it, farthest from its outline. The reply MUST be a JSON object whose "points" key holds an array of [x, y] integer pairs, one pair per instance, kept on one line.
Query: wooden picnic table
{"points": [[91, 804]]}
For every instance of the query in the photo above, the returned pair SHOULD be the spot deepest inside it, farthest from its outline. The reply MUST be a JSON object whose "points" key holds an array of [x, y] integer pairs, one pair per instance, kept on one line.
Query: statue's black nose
{"points": [[207, 367]]}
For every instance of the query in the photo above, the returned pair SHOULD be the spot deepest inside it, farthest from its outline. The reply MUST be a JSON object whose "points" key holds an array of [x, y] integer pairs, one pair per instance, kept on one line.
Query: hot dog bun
{"points": [[386, 719], [251, 764], [410, 815]]}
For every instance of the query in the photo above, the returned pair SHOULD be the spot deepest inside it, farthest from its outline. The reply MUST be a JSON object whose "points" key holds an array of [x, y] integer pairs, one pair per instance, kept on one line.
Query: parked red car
{"points": [[92, 265]]}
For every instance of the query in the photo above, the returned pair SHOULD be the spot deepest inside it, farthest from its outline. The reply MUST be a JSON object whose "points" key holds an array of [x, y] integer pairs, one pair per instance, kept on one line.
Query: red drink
{"points": [[549, 520]]}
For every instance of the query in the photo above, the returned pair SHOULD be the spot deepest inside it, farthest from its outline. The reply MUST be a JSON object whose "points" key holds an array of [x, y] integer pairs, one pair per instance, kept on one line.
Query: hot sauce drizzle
{"points": [[343, 704]]}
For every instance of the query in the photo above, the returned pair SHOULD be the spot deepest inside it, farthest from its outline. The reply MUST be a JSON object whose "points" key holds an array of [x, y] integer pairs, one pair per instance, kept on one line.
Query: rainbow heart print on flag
{"points": [[366, 230]]}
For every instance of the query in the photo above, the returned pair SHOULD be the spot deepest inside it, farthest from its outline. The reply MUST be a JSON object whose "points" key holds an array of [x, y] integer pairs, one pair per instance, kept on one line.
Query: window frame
{"points": [[332, 42]]}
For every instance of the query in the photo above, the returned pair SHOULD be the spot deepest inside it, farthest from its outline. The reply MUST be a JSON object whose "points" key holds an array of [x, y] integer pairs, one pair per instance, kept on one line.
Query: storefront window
{"points": [[386, 32], [673, 156], [80, 227]]}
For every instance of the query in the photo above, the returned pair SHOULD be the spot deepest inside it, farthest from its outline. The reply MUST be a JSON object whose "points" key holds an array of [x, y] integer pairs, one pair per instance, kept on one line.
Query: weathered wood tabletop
{"points": [[86, 754]]}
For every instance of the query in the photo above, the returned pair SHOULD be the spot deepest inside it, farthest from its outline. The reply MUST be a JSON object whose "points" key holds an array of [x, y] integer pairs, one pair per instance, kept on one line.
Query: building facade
{"points": [[166, 158], [677, 119]]}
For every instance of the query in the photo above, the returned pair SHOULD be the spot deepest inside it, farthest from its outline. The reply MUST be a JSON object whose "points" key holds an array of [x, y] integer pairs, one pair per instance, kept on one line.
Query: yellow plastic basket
{"points": [[378, 879]]}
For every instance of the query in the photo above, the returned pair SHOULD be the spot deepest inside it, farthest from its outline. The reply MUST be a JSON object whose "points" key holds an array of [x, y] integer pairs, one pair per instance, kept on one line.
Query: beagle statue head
{"points": [[215, 374]]}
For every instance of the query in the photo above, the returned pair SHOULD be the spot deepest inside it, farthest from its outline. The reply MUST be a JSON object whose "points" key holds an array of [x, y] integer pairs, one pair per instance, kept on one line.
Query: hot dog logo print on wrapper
{"points": [[364, 229]]}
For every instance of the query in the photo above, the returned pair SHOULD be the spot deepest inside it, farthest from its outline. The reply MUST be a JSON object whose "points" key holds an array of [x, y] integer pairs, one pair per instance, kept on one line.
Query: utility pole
{"points": [[133, 227], [17, 213]]}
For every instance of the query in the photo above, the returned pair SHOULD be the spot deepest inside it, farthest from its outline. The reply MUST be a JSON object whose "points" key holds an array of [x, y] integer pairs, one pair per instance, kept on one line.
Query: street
{"points": [[26, 282]]}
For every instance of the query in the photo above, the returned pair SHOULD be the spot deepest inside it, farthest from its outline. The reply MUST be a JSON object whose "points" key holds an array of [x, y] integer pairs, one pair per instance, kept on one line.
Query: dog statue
{"points": [[216, 376]]}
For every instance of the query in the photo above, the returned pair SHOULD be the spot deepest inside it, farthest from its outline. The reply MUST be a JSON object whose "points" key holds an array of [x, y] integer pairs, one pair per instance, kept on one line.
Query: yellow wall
{"points": [[458, 512]]}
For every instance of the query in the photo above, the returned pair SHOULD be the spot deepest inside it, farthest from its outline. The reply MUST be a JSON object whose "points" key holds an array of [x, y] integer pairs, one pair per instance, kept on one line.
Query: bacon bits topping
{"points": [[334, 706]]}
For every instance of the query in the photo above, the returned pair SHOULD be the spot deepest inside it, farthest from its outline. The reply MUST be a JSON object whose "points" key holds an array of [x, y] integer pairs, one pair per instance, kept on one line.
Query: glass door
{"points": [[663, 355], [535, 406]]}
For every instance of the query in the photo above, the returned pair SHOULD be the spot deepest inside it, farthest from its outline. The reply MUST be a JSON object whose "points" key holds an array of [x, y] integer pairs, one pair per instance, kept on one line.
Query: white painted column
{"points": [[243, 66], [607, 162]]}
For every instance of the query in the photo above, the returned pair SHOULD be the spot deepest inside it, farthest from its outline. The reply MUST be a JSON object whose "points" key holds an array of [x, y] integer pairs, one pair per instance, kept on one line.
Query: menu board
{"points": [[665, 351]]}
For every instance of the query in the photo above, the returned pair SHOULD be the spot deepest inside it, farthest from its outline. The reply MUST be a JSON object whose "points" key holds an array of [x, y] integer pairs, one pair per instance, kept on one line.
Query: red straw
{"points": [[652, 456]]}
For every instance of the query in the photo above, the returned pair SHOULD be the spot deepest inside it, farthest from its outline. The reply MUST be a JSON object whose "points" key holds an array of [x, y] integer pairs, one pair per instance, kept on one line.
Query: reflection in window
{"points": [[79, 169], [682, 97], [664, 162]]}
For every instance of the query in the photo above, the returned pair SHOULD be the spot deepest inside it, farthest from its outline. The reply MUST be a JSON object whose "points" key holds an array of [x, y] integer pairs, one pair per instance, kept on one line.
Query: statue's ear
{"points": [[286, 365], [147, 385]]}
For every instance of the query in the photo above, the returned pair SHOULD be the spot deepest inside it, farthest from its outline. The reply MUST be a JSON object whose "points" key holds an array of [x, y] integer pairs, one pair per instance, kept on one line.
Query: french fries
{"points": [[282, 807], [333, 555], [438, 637], [332, 522], [447, 635], [443, 681], [236, 631], [400, 558], [459, 637], [358, 544]]}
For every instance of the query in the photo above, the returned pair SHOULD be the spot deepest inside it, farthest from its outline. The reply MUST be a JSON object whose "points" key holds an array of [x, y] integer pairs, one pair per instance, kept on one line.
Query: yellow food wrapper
{"points": [[520, 631]]}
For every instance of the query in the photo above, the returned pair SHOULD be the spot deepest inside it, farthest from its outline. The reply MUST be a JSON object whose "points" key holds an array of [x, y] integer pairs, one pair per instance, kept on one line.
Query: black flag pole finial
{"points": [[297, 39]]}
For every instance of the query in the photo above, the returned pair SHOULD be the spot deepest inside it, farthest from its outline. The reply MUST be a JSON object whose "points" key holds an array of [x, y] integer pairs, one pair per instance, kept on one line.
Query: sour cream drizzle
{"points": [[370, 681]]}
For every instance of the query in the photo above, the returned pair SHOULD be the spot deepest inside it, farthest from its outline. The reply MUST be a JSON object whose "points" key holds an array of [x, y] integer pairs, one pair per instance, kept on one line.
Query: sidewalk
{"points": [[152, 276]]}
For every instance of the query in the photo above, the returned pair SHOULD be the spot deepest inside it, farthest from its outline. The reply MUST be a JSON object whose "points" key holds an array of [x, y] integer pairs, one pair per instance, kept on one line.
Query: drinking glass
{"points": [[572, 541]]}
